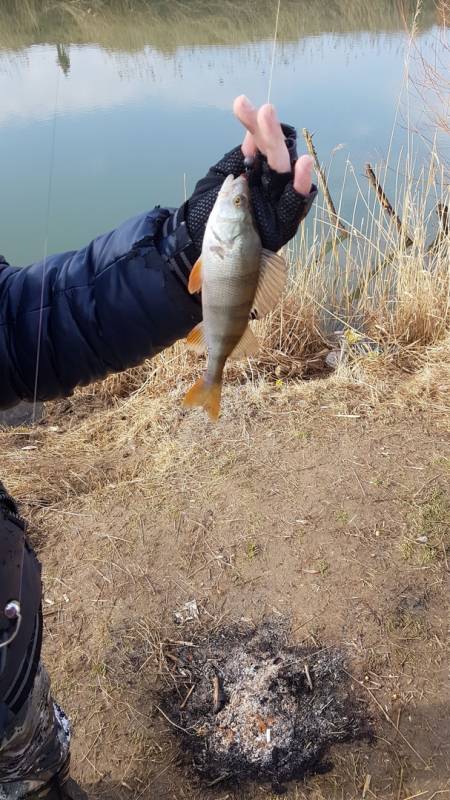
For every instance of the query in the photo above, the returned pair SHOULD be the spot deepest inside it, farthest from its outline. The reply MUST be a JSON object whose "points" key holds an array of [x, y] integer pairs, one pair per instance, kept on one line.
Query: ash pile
{"points": [[251, 706]]}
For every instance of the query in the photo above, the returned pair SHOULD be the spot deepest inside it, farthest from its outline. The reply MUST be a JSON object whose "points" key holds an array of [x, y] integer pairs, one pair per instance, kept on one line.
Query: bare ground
{"points": [[313, 503]]}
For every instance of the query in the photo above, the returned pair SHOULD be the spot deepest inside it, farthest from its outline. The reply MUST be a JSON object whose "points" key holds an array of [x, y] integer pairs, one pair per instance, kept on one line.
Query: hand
{"points": [[264, 133], [281, 185]]}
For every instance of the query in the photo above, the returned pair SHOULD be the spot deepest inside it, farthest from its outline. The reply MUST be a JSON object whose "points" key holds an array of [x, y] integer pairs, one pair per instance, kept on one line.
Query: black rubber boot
{"points": [[62, 787], [55, 791]]}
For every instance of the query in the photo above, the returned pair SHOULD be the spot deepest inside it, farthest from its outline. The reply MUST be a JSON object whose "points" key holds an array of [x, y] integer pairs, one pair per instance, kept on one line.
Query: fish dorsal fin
{"points": [[195, 277], [196, 339], [248, 345], [272, 277]]}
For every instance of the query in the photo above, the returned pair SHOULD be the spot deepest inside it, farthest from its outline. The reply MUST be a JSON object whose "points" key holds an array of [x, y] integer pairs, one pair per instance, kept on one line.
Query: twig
{"points": [[174, 724], [324, 186], [400, 782], [430, 480], [217, 694], [387, 205], [218, 780], [442, 212], [360, 484], [387, 717], [377, 269], [308, 677], [183, 704], [366, 786]]}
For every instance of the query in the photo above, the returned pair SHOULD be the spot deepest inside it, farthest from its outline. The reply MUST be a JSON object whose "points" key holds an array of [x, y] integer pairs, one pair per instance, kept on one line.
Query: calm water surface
{"points": [[139, 103]]}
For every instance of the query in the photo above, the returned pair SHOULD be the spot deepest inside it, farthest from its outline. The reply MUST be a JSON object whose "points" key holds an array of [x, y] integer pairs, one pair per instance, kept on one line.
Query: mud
{"points": [[261, 708]]}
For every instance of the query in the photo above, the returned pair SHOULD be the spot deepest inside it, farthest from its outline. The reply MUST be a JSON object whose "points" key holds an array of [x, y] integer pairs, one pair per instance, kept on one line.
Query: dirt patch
{"points": [[317, 504], [256, 707]]}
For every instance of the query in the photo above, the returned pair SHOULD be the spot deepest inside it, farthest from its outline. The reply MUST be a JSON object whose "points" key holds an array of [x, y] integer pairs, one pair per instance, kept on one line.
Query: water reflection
{"points": [[125, 25], [63, 58], [143, 99]]}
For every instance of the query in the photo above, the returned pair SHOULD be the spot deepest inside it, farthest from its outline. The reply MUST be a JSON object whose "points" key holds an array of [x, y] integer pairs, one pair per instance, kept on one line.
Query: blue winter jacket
{"points": [[97, 310]]}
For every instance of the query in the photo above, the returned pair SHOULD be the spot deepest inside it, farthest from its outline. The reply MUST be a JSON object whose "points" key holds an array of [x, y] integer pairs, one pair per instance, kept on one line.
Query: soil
{"points": [[334, 520]]}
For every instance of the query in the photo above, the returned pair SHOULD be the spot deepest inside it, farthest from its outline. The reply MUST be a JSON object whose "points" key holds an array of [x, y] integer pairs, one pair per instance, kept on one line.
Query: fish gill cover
{"points": [[258, 707]]}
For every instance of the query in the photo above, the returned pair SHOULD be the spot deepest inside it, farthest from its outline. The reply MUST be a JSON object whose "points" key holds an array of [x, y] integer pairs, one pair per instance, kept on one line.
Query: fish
{"points": [[239, 280]]}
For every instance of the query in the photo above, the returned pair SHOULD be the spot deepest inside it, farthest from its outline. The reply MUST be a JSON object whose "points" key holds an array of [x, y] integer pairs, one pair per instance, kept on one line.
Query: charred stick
{"points": [[218, 697], [343, 231], [388, 207], [183, 704]]}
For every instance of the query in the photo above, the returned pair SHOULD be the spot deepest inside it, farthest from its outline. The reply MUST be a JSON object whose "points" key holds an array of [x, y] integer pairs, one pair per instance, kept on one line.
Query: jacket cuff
{"points": [[176, 246]]}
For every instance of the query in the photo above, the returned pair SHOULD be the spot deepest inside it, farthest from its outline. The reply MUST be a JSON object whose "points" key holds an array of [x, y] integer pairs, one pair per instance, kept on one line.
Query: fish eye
{"points": [[237, 201]]}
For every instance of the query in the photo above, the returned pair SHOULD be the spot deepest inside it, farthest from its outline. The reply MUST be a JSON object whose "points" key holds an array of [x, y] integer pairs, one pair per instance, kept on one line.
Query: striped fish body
{"points": [[233, 273], [231, 257]]}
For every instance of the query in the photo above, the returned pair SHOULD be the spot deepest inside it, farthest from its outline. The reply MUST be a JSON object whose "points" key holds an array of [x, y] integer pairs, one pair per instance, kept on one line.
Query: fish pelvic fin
{"points": [[196, 339], [195, 277], [206, 395]]}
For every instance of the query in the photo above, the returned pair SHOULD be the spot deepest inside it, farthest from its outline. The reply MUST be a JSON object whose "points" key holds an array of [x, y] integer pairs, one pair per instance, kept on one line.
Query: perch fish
{"points": [[239, 281]]}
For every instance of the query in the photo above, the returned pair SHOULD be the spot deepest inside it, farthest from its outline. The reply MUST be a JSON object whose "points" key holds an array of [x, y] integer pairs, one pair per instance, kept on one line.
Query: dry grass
{"points": [[396, 352], [382, 301], [431, 81]]}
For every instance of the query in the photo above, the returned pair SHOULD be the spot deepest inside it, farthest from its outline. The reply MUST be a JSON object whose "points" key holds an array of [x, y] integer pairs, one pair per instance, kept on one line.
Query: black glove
{"points": [[278, 208]]}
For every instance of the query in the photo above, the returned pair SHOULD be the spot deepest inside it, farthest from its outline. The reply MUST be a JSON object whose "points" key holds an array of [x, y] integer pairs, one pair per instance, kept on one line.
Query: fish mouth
{"points": [[233, 187]]}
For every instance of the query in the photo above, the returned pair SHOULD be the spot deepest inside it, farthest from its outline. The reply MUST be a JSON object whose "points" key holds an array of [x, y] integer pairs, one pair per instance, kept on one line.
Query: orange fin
{"points": [[195, 339], [195, 277], [272, 277], [248, 345], [206, 395]]}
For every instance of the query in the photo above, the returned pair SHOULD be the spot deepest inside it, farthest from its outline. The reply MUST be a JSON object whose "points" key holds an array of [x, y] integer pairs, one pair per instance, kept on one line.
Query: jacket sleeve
{"points": [[87, 313]]}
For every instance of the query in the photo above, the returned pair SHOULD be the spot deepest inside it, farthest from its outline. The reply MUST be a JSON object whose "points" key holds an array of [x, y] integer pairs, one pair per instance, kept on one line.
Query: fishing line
{"points": [[274, 49], [46, 237]]}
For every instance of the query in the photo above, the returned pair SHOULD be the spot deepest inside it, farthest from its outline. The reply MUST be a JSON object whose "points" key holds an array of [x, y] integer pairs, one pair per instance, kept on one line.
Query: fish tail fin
{"points": [[206, 395]]}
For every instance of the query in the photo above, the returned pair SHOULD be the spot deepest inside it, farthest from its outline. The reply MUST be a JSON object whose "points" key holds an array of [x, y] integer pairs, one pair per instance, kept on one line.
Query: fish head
{"points": [[233, 201]]}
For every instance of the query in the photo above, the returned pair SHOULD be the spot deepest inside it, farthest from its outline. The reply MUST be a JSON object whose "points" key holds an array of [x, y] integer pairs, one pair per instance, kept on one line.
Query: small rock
{"points": [[187, 613]]}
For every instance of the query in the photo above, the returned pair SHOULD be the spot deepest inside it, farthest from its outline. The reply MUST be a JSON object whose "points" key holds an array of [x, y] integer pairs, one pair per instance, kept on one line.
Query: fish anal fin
{"points": [[272, 278], [248, 345], [195, 277], [206, 395], [195, 339]]}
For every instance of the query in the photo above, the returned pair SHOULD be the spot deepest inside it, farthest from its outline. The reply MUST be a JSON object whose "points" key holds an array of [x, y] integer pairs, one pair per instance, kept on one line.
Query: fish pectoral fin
{"points": [[247, 345], [272, 278], [195, 339], [195, 277]]}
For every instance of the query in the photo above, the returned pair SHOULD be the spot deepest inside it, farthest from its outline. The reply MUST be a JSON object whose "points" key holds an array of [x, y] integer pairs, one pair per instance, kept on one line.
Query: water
{"points": [[142, 101]]}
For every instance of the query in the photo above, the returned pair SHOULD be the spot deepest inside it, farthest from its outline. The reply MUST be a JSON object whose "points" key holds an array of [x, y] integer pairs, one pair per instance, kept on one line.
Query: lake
{"points": [[130, 102]]}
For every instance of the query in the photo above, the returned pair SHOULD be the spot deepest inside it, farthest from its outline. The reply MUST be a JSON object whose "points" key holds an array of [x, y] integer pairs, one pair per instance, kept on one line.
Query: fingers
{"points": [[269, 130], [264, 133], [303, 174], [245, 111], [249, 147]]}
